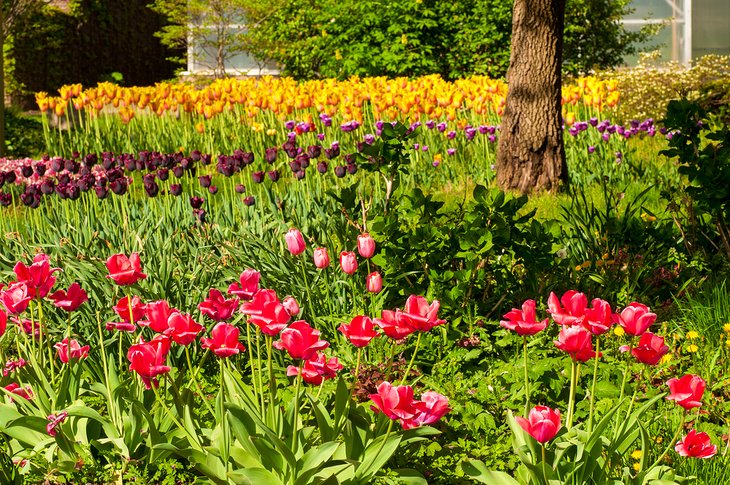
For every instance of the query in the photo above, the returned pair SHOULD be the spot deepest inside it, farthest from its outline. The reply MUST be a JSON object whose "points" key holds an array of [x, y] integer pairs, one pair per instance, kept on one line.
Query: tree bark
{"points": [[531, 155]]}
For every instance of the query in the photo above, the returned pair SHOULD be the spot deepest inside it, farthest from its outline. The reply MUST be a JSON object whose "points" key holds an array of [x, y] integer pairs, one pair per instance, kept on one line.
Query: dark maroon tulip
{"points": [[273, 175], [119, 186], [314, 151], [204, 181], [258, 177], [322, 167], [177, 171], [248, 200], [270, 155], [40, 169], [176, 189], [196, 202], [299, 175], [340, 171], [101, 191], [351, 168]]}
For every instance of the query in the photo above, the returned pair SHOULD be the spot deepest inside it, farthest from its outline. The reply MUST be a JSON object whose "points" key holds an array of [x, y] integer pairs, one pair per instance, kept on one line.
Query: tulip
{"points": [[121, 326], [24, 392], [217, 307], [38, 277], [70, 300], [291, 306], [348, 262], [224, 340], [158, 314], [599, 318], [16, 298], [300, 340], [247, 286], [686, 391], [71, 350], [433, 406], [651, 349], [125, 270], [122, 309], [524, 322], [321, 258], [54, 420], [392, 326], [636, 318], [148, 359], [419, 315], [396, 402], [317, 369], [374, 282], [542, 423], [295, 242], [266, 312], [182, 328], [12, 365], [576, 341], [575, 306], [365, 245], [3, 322], [360, 331], [696, 445]]}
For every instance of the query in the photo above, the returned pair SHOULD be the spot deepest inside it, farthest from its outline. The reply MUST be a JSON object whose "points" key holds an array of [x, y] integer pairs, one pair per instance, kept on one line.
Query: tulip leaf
{"points": [[376, 455], [478, 471], [253, 476]]}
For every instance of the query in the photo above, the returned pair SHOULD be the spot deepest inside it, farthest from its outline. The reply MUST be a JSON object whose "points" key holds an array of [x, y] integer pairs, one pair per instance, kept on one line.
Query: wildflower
{"points": [[691, 335]]}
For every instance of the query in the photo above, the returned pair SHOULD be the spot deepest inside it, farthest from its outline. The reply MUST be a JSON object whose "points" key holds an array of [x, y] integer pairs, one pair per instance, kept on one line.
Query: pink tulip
{"points": [[71, 350], [392, 326], [687, 391], [636, 318], [266, 312], [125, 270], [217, 307], [316, 369], [360, 331], [16, 298], [70, 300], [122, 309], [38, 277], [542, 423], [321, 258], [182, 328], [224, 340], [576, 341], [419, 314], [524, 322], [365, 246], [696, 445], [247, 286], [432, 407], [348, 262], [55, 420], [147, 359], [295, 242], [291, 305], [572, 310], [374, 282], [599, 318], [650, 350], [157, 313], [300, 340]]}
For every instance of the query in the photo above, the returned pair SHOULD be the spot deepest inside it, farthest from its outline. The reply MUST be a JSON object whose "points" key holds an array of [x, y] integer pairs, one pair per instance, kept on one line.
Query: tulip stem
{"points": [[309, 292], [527, 380], [102, 349], [544, 471], [251, 364], [197, 384], [172, 416], [671, 442], [593, 386], [571, 399], [259, 368], [272, 382], [295, 433], [382, 445], [413, 358], [636, 390]]}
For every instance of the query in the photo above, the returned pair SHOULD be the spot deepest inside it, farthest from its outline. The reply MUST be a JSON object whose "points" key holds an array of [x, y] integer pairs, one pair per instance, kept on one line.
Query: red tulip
{"points": [[348, 262], [158, 313], [542, 423], [24, 392], [224, 340], [392, 326], [138, 309], [360, 331], [38, 277], [71, 350], [321, 258], [266, 312], [70, 300], [524, 322], [432, 407], [247, 286], [317, 369], [576, 341], [365, 246], [217, 307], [121, 326], [687, 391], [374, 282], [300, 340], [599, 318], [419, 315], [55, 420], [182, 328], [28, 326], [650, 350], [575, 304], [148, 359], [125, 270], [3, 322], [12, 365], [636, 318], [295, 242], [291, 306], [16, 298], [395, 402], [696, 445]]}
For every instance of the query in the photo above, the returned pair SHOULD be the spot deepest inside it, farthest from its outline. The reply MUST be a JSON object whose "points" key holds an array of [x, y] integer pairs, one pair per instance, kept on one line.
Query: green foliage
{"points": [[23, 135], [410, 38]]}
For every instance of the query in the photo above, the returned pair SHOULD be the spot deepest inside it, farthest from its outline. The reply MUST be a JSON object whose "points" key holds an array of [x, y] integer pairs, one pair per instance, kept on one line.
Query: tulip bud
{"points": [[348, 262], [295, 242], [291, 306], [365, 245], [374, 282], [321, 258]]}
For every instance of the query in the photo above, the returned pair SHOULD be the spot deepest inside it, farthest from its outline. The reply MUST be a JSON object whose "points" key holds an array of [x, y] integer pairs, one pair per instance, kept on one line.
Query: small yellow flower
{"points": [[271, 132], [404, 39], [726, 327], [605, 256], [578, 268], [659, 440], [586, 264], [727, 342], [666, 358], [692, 335], [637, 466], [692, 348], [636, 454], [437, 157], [338, 54], [619, 331]]}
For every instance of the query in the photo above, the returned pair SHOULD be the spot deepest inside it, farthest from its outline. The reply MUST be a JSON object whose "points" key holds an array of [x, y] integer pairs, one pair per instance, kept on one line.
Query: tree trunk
{"points": [[531, 155]]}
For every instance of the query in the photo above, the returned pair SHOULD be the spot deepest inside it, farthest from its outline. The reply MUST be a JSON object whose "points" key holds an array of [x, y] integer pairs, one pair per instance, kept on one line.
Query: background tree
{"points": [[531, 155]]}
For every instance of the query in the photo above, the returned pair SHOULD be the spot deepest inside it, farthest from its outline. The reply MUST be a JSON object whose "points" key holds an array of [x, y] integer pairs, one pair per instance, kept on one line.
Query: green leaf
{"points": [[478, 471], [254, 476]]}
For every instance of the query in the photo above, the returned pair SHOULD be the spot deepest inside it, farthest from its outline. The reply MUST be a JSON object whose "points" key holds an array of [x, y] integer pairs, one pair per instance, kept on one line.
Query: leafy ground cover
{"points": [[379, 221]]}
